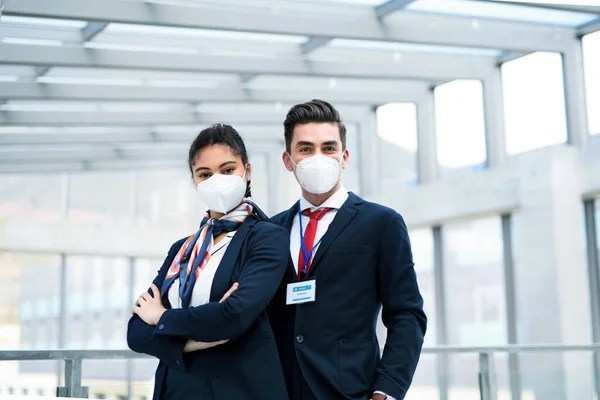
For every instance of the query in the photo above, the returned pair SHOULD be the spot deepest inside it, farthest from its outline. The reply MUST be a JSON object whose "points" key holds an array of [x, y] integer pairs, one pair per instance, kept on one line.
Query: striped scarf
{"points": [[195, 251]]}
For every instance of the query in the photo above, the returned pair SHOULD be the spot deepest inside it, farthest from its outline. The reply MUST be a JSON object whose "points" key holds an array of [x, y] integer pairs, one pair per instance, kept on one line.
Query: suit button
{"points": [[299, 339], [161, 327]]}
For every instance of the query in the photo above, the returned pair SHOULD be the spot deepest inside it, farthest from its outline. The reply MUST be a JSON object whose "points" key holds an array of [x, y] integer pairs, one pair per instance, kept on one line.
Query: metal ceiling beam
{"points": [[403, 92], [391, 6], [266, 135], [551, 6], [588, 28], [402, 26], [53, 118], [92, 29], [73, 118], [413, 66], [313, 43], [11, 30]]}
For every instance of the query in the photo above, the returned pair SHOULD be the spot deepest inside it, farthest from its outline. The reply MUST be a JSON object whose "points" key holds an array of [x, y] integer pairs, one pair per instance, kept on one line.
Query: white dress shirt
{"points": [[203, 285], [335, 201]]}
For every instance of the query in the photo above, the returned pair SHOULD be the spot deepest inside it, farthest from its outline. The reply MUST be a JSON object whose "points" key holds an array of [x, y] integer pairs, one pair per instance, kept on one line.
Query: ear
{"points": [[345, 157], [287, 161], [248, 172]]}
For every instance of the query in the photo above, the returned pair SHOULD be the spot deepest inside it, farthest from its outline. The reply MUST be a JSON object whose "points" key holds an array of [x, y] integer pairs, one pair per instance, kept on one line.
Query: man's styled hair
{"points": [[311, 111]]}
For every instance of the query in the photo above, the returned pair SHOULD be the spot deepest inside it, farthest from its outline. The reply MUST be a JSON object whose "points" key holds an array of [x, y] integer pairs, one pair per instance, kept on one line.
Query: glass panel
{"points": [[29, 305], [591, 63], [424, 385], [39, 197], [463, 377], [397, 126], [166, 198], [460, 125], [28, 378], [108, 379], [557, 376], [98, 304], [474, 273], [501, 11], [100, 197], [534, 102]]}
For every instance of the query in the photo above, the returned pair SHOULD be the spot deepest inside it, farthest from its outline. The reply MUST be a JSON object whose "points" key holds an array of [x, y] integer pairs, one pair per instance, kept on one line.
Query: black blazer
{"points": [[248, 366], [363, 262]]}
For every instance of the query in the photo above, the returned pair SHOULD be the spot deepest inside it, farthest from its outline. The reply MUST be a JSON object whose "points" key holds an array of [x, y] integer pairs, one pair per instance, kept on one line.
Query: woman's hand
{"points": [[149, 307]]}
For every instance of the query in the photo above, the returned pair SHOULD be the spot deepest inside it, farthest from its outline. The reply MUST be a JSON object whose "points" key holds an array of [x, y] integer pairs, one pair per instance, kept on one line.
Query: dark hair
{"points": [[219, 134], [311, 111]]}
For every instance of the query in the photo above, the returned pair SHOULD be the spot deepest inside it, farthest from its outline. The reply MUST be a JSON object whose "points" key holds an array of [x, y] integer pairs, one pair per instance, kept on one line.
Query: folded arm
{"points": [[259, 278]]}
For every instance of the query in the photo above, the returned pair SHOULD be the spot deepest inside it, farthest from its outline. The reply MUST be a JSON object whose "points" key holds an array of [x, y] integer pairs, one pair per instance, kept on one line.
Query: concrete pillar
{"points": [[552, 290], [427, 141], [575, 98], [493, 102]]}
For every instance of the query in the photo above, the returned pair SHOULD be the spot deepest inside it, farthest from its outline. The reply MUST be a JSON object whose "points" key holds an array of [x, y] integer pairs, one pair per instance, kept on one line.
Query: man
{"points": [[350, 257]]}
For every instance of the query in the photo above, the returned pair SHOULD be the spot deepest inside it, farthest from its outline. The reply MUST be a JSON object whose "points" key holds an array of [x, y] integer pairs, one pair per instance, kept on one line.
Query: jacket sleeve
{"points": [[140, 335], [402, 312], [260, 276]]}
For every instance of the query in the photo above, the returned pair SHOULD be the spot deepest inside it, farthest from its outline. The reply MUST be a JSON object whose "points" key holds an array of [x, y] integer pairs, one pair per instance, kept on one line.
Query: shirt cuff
{"points": [[386, 396]]}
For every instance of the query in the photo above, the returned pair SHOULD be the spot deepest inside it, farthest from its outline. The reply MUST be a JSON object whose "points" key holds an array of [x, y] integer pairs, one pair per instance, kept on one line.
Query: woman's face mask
{"points": [[222, 193]]}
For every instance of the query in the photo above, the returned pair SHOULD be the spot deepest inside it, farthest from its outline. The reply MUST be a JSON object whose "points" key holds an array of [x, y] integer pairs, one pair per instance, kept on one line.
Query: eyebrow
{"points": [[304, 144], [330, 143], [220, 166]]}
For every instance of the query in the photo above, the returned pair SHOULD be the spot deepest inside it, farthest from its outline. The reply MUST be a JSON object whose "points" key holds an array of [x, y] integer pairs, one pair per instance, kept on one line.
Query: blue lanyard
{"points": [[306, 254]]}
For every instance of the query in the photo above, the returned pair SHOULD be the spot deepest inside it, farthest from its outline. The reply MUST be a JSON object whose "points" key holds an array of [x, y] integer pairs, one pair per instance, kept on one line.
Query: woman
{"points": [[211, 349]]}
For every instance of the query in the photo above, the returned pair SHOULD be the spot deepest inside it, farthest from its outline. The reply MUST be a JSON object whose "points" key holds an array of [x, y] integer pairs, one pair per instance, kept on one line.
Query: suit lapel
{"points": [[343, 217], [222, 277], [287, 223]]}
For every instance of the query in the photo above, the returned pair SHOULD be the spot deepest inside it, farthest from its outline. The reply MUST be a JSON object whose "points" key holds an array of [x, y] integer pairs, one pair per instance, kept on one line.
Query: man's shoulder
{"points": [[379, 211]]}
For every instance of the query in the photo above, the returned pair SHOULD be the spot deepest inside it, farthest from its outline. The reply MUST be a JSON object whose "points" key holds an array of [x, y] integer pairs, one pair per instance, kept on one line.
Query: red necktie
{"points": [[309, 238]]}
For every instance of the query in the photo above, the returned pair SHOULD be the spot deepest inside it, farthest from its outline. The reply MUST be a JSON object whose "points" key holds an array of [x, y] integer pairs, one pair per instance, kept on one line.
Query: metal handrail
{"points": [[487, 376]]}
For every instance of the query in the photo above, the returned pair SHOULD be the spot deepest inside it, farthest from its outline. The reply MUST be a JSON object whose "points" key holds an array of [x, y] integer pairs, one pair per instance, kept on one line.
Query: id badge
{"points": [[301, 292]]}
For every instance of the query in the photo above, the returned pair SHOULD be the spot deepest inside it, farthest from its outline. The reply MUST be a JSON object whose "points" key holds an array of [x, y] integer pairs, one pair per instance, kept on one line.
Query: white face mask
{"points": [[318, 174], [222, 193]]}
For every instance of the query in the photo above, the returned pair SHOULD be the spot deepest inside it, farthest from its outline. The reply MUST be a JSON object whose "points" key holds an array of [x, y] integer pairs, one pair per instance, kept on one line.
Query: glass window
{"points": [[534, 102], [397, 127], [474, 277], [30, 292], [102, 197], [166, 198], [475, 302], [97, 286], [38, 196], [591, 63], [460, 125]]}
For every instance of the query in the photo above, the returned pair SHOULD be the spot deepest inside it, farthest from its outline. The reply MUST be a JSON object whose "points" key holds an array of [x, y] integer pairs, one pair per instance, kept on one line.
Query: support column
{"points": [[575, 98], [495, 135], [427, 140], [550, 272], [368, 156]]}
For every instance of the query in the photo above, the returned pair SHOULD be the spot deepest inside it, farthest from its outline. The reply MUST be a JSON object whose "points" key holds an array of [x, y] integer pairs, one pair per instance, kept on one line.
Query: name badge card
{"points": [[301, 292]]}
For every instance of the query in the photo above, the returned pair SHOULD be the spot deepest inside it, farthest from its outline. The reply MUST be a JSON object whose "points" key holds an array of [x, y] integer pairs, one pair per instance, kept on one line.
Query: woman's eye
{"points": [[228, 171], [203, 176]]}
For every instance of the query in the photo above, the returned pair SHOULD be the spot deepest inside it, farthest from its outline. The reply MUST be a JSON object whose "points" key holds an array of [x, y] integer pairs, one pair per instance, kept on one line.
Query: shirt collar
{"points": [[336, 200]]}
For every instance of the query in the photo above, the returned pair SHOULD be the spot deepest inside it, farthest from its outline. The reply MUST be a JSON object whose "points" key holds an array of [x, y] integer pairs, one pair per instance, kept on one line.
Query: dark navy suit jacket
{"points": [[363, 262], [248, 366]]}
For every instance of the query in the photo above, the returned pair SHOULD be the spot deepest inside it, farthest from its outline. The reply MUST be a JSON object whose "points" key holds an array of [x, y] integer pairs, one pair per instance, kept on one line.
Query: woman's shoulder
{"points": [[177, 245]]}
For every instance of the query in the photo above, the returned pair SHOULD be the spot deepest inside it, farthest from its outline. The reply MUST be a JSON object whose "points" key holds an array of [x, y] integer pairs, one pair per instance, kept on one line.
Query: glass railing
{"points": [[523, 372]]}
